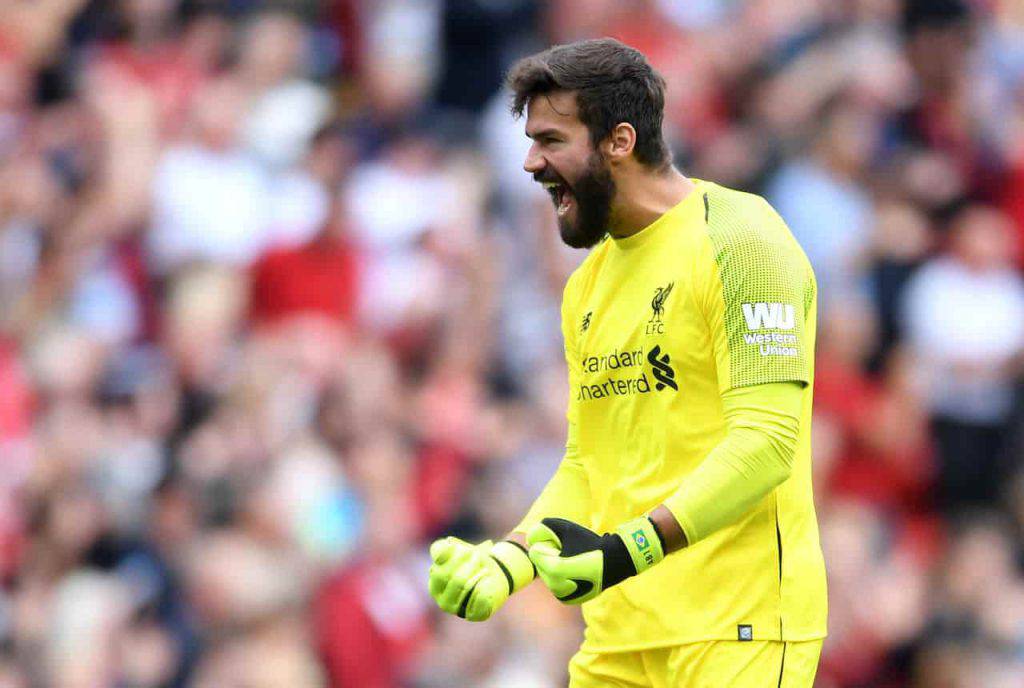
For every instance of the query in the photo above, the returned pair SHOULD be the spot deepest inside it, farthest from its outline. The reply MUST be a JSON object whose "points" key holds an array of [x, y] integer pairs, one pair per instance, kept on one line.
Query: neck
{"points": [[642, 198]]}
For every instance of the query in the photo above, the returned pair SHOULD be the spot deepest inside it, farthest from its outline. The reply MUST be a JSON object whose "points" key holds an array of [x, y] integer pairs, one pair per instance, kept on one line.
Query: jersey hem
{"points": [[798, 638]]}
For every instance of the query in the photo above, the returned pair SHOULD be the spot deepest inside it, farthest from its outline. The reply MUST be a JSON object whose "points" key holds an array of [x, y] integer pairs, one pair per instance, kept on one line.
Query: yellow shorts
{"points": [[713, 664]]}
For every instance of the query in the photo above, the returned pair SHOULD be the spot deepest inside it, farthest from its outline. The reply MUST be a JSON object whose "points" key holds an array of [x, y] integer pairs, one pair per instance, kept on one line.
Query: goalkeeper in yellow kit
{"points": [[681, 516]]}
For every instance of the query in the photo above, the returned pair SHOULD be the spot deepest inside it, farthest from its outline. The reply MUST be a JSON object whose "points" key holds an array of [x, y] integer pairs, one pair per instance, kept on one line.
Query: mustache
{"points": [[542, 178]]}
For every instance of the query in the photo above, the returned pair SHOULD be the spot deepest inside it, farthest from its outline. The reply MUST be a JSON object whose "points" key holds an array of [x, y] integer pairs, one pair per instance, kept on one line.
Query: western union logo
{"points": [[770, 316]]}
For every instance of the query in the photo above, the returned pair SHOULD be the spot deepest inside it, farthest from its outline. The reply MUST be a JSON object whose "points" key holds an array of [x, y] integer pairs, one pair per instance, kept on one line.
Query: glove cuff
{"points": [[515, 564], [642, 542]]}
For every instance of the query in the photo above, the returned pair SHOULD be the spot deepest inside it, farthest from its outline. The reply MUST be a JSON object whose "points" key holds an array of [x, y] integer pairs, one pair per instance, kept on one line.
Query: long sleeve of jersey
{"points": [[758, 302], [567, 494], [754, 457]]}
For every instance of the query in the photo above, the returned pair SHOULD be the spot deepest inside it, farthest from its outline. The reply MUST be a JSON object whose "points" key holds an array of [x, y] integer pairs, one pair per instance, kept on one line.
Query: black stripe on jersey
{"points": [[707, 208], [778, 544], [782, 667]]}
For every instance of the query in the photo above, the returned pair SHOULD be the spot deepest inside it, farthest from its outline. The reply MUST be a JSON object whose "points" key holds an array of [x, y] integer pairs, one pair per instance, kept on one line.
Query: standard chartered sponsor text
{"points": [[614, 360], [614, 386]]}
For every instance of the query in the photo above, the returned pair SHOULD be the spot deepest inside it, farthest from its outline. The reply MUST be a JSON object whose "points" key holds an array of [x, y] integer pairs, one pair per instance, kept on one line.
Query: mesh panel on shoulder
{"points": [[763, 270]]}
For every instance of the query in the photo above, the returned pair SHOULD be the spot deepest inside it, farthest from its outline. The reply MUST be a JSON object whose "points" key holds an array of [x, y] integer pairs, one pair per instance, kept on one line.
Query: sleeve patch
{"points": [[767, 288]]}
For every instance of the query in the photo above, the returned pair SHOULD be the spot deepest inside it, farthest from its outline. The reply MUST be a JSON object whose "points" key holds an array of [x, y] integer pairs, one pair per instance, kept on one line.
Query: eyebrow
{"points": [[543, 132]]}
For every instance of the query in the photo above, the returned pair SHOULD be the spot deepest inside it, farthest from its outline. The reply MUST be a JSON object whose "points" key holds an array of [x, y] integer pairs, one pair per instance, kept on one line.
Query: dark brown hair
{"points": [[613, 83]]}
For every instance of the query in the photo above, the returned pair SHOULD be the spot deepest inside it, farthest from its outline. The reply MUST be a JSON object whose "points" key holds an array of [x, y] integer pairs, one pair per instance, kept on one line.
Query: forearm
{"points": [[672, 535], [754, 457]]}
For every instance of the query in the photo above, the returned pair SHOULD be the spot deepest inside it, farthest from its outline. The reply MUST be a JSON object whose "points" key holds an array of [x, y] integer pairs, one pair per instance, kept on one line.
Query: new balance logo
{"points": [[769, 316], [661, 369]]}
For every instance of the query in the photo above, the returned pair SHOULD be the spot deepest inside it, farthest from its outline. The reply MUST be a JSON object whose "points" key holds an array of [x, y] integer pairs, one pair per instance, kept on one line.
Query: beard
{"points": [[593, 193]]}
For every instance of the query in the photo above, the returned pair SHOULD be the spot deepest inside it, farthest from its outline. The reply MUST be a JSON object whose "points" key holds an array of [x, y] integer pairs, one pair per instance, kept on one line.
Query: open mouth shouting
{"points": [[582, 208], [561, 196]]}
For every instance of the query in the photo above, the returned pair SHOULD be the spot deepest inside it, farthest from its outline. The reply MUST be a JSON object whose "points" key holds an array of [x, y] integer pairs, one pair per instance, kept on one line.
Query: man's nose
{"points": [[534, 162]]}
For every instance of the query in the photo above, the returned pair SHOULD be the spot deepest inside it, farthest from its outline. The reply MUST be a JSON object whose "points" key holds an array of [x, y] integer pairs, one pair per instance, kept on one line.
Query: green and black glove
{"points": [[473, 581], [577, 564]]}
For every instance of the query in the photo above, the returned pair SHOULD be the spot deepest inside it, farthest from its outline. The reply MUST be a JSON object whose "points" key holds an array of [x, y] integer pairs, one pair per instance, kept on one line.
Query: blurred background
{"points": [[278, 306]]}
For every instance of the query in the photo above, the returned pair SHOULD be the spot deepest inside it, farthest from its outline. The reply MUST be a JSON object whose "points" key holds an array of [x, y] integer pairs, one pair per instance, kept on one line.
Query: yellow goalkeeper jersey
{"points": [[713, 295]]}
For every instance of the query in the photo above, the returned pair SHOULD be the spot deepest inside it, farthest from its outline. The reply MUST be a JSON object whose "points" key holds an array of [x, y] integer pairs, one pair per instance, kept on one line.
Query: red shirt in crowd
{"points": [[320, 277], [370, 620]]}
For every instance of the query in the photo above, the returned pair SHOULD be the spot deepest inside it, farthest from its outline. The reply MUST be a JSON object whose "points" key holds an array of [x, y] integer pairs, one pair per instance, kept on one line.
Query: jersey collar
{"points": [[645, 235]]}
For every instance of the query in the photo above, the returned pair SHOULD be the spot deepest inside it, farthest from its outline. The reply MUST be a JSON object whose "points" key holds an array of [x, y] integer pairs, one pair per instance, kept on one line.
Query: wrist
{"points": [[643, 543], [673, 535], [514, 562]]}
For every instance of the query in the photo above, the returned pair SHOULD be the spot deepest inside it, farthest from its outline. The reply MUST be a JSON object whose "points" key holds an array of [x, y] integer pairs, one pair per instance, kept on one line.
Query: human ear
{"points": [[620, 142]]}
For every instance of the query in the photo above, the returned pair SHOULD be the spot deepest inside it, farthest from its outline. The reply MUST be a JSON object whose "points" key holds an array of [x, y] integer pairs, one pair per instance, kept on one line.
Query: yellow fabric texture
{"points": [[661, 328], [712, 664]]}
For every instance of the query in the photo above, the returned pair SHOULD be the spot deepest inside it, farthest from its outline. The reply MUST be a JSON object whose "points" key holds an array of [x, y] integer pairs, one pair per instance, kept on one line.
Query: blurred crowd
{"points": [[278, 306]]}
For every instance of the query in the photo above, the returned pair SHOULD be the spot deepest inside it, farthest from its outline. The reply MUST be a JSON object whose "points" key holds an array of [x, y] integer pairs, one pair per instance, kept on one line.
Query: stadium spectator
{"points": [[969, 366]]}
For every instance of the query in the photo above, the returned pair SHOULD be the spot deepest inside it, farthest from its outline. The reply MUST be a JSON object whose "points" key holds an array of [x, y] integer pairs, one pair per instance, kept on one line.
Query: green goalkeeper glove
{"points": [[473, 581], [577, 564]]}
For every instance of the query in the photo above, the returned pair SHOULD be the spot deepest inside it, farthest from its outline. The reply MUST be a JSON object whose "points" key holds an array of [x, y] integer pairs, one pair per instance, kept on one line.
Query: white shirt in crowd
{"points": [[207, 205], [966, 325]]}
